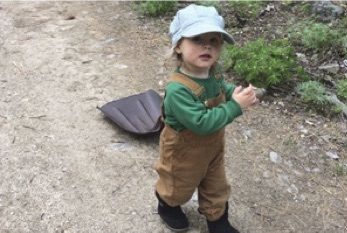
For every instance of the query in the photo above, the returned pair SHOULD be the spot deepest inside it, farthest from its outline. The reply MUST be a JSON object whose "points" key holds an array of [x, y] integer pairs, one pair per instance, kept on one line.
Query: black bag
{"points": [[138, 114]]}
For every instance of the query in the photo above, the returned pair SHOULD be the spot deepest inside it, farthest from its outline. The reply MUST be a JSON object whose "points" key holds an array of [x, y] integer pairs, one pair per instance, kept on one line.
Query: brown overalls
{"points": [[189, 161]]}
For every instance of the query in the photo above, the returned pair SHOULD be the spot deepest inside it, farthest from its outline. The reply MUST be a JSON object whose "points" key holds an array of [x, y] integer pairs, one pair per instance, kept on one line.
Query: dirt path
{"points": [[64, 168]]}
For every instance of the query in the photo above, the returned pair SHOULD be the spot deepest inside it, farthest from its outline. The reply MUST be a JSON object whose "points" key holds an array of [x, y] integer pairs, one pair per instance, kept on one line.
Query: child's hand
{"points": [[245, 97]]}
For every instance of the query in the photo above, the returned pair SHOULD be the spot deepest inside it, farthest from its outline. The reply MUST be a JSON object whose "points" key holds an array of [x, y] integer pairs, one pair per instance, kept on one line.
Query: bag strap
{"points": [[196, 88]]}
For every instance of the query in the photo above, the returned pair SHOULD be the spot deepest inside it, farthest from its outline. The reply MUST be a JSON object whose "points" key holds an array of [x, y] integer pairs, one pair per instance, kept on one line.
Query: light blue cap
{"points": [[195, 20]]}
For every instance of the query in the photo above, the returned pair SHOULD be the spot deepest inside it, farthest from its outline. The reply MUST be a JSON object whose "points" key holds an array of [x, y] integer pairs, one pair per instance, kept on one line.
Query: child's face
{"points": [[199, 53]]}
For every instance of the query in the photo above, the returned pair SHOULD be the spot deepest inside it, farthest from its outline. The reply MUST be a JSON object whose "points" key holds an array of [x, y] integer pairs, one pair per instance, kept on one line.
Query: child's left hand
{"points": [[245, 97]]}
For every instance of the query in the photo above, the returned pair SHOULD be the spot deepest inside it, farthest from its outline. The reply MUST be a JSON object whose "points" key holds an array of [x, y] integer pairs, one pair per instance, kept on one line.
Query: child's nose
{"points": [[206, 43]]}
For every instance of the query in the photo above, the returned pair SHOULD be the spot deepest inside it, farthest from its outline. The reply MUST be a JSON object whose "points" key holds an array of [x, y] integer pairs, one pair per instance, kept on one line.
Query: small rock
{"points": [[309, 122], [330, 68], [270, 7], [283, 180], [332, 155], [316, 170], [293, 189], [121, 146], [247, 133], [302, 57], [326, 10], [274, 157], [304, 131], [121, 66]]}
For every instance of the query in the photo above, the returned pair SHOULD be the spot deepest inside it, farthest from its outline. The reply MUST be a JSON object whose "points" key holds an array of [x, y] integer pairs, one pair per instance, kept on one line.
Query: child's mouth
{"points": [[205, 56]]}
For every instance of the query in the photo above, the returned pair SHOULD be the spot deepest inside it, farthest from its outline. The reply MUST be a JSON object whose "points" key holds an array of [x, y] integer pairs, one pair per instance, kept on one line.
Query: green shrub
{"points": [[213, 3], [343, 44], [263, 64], [313, 92], [317, 36], [341, 169], [342, 89], [315, 95], [341, 28], [305, 7], [156, 8], [246, 8]]}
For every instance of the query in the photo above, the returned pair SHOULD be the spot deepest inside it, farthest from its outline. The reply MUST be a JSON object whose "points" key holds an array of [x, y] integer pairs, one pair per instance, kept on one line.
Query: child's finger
{"points": [[247, 90], [238, 89]]}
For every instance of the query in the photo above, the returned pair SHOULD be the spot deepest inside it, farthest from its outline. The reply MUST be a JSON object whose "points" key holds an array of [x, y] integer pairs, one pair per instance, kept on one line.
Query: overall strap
{"points": [[196, 88], [193, 86]]}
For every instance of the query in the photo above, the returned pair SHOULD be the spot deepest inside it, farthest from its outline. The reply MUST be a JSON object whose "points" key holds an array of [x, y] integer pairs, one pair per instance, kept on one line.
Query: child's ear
{"points": [[178, 50]]}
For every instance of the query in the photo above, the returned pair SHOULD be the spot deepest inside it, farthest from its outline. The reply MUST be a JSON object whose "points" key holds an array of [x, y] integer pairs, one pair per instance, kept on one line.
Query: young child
{"points": [[197, 106]]}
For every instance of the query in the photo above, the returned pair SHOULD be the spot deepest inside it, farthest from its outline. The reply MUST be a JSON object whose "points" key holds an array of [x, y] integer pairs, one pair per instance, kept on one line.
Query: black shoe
{"points": [[173, 217], [221, 225]]}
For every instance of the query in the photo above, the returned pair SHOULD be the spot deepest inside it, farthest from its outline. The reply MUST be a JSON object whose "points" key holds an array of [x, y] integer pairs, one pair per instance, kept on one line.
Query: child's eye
{"points": [[214, 40], [197, 39]]}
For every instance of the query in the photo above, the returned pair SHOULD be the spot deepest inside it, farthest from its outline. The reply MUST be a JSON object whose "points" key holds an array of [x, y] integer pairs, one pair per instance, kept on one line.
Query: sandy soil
{"points": [[65, 168]]}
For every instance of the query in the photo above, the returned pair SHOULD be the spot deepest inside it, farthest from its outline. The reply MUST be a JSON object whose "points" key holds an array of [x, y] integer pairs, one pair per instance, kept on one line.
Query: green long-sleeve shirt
{"points": [[184, 110]]}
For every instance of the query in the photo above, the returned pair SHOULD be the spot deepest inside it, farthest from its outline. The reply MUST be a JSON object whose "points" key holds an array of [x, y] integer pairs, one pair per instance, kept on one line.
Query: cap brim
{"points": [[197, 29]]}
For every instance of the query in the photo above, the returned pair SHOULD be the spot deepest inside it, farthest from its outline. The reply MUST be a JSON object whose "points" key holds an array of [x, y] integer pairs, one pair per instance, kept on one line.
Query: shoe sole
{"points": [[173, 229]]}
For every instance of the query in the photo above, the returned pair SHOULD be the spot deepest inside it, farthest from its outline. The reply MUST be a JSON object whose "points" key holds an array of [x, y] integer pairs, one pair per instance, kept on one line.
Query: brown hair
{"points": [[172, 54]]}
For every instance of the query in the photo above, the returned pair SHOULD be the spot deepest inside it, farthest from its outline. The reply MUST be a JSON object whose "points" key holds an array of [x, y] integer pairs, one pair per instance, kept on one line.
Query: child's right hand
{"points": [[245, 97]]}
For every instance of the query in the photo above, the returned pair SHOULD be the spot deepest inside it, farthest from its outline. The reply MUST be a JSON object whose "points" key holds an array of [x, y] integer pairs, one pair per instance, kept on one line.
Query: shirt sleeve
{"points": [[229, 89], [192, 114]]}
